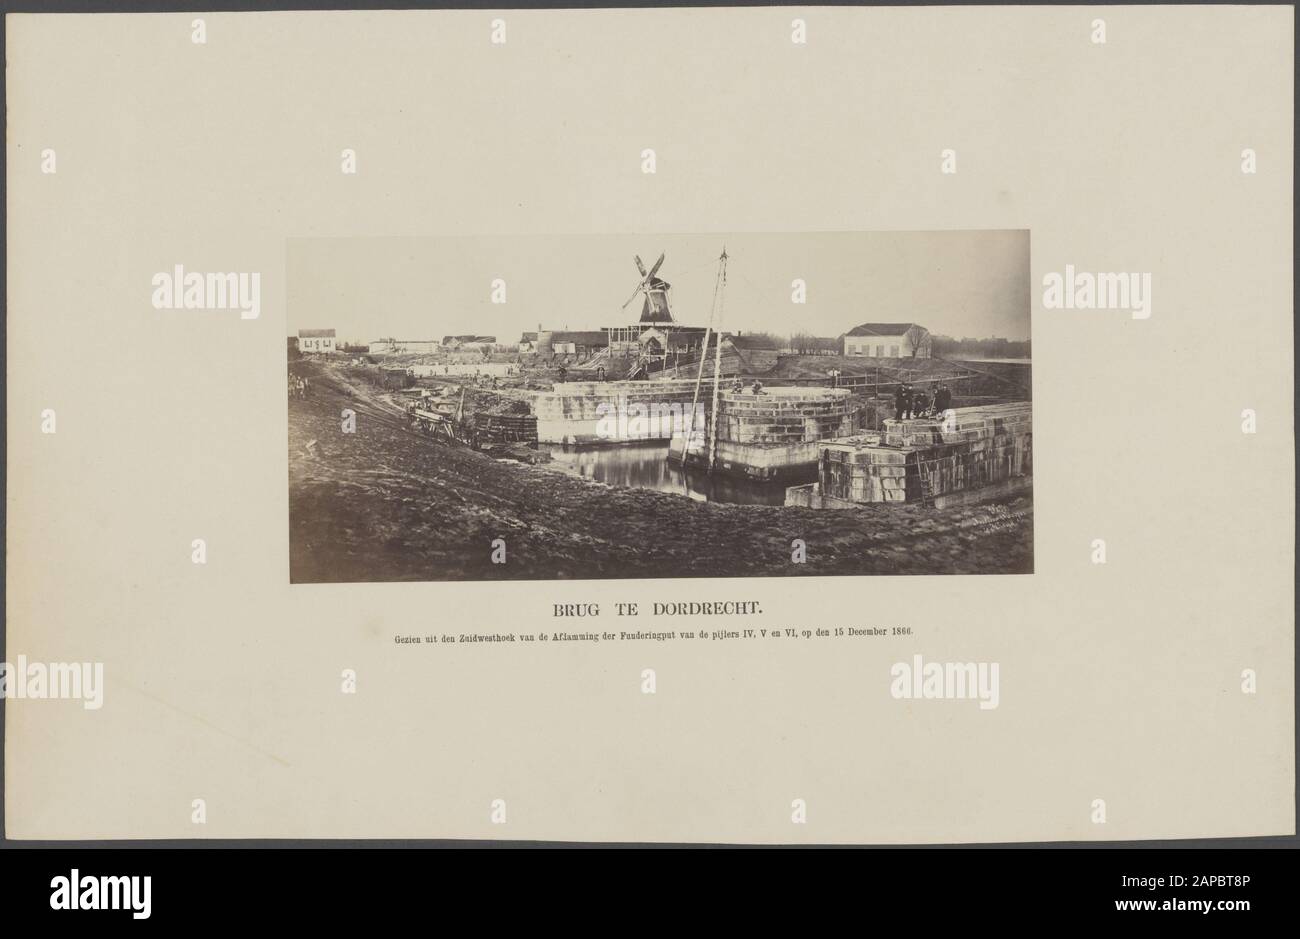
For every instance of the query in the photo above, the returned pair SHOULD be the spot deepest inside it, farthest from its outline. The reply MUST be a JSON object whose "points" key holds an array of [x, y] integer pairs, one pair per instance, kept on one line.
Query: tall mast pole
{"points": [[717, 360], [699, 374]]}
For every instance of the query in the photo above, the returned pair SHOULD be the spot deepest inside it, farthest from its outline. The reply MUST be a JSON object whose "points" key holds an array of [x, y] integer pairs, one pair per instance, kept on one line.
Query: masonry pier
{"points": [[590, 413], [770, 436], [968, 454]]}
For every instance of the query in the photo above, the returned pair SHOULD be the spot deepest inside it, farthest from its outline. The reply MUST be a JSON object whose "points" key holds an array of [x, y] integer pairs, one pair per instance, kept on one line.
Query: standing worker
{"points": [[942, 399]]}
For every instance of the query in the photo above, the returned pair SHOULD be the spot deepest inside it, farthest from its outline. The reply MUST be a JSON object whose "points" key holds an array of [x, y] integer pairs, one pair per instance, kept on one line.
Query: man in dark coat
{"points": [[942, 400], [902, 401]]}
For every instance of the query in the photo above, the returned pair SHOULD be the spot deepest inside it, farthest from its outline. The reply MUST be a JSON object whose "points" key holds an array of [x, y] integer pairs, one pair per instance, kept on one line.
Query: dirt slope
{"points": [[386, 504]]}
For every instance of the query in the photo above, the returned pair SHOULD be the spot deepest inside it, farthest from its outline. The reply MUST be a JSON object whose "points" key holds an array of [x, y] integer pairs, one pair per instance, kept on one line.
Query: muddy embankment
{"points": [[388, 504]]}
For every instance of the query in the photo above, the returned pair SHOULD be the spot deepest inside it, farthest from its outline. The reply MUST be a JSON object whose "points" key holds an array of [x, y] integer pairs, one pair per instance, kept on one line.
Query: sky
{"points": [[956, 283]]}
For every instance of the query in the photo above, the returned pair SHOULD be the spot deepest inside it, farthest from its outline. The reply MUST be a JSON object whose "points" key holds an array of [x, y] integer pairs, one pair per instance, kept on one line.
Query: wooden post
{"points": [[714, 312], [713, 417], [695, 400], [720, 300]]}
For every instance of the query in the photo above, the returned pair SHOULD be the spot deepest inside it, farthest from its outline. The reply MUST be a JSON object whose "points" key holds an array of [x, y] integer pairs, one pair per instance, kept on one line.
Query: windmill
{"points": [[655, 309]]}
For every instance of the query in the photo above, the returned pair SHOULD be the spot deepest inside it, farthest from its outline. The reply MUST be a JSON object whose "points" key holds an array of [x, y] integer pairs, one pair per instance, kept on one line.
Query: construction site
{"points": [[666, 450]]}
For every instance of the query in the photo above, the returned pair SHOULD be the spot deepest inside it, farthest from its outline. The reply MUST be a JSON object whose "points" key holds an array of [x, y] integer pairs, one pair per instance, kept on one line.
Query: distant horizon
{"points": [[354, 340], [960, 284]]}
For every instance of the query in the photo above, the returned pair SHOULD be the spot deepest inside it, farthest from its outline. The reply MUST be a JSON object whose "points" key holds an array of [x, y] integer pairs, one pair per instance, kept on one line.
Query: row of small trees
{"points": [[808, 344], [803, 343], [948, 347]]}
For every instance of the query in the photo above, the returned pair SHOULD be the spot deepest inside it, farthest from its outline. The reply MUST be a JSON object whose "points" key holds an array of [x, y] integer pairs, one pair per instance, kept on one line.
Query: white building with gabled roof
{"points": [[888, 341], [315, 340]]}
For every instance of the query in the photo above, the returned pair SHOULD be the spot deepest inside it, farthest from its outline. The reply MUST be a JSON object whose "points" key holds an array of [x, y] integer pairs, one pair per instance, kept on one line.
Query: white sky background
{"points": [[961, 283]]}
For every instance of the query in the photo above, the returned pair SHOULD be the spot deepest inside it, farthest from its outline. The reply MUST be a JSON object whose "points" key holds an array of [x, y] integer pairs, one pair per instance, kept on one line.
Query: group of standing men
{"points": [[915, 402]]}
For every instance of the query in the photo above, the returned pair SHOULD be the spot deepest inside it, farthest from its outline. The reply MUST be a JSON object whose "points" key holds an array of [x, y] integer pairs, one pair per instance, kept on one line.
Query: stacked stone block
{"points": [[614, 412], [785, 415], [974, 447]]}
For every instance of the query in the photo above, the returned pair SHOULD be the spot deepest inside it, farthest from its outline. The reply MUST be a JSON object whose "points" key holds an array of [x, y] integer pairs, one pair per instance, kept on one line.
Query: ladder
{"points": [[926, 493]]}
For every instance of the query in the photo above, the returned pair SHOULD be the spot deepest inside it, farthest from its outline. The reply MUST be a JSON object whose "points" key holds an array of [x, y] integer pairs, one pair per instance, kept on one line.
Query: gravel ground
{"points": [[387, 504]]}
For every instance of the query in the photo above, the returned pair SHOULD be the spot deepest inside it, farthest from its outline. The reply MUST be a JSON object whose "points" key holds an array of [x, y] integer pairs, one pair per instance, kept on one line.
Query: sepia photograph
{"points": [[656, 463], [659, 406]]}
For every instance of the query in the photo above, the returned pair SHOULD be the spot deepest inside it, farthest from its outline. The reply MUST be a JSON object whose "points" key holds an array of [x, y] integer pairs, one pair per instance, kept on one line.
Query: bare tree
{"points": [[914, 334]]}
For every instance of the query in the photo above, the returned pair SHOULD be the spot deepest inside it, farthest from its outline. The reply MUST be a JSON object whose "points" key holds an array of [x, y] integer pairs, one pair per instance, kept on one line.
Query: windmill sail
{"points": [[655, 308]]}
